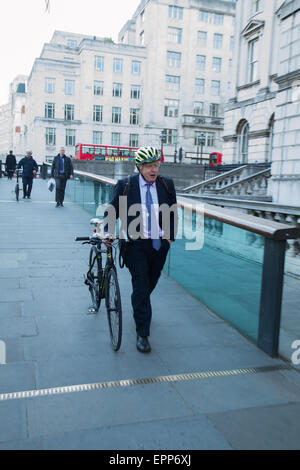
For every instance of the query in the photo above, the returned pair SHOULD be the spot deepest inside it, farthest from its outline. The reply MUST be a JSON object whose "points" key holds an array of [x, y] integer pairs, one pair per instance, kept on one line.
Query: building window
{"points": [[231, 43], [115, 139], [214, 110], [135, 92], [215, 87], [200, 62], [173, 59], [117, 90], [23, 109], [200, 86], [98, 113], [97, 137], [116, 115], [50, 85], [50, 110], [134, 116], [69, 87], [99, 63], [174, 35], [171, 108], [256, 6], [203, 16], [210, 139], [98, 88], [118, 65], [50, 136], [171, 136], [230, 65], [199, 108], [218, 41], [218, 18], [175, 12], [142, 16], [202, 38], [142, 38], [71, 43], [253, 61], [133, 140], [198, 135], [69, 112], [135, 67], [172, 83], [244, 142], [70, 138], [217, 64]]}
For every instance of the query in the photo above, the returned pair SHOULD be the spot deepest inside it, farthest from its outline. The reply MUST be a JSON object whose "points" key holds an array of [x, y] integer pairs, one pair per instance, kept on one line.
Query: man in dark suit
{"points": [[62, 170], [149, 235], [30, 169], [10, 165]]}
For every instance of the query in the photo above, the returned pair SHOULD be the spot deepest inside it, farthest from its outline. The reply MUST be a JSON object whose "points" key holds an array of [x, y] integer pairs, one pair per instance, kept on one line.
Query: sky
{"points": [[25, 27]]}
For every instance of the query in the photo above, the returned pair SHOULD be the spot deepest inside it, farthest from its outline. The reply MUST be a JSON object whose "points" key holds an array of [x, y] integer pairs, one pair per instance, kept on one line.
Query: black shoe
{"points": [[61, 204], [142, 344], [28, 197], [57, 204]]}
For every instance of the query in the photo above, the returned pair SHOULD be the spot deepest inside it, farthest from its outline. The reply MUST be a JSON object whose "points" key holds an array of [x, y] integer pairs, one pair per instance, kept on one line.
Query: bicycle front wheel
{"points": [[114, 308]]}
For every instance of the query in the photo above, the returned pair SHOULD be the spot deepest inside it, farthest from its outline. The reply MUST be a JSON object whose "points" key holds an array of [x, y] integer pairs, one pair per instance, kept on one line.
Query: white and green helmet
{"points": [[146, 155]]}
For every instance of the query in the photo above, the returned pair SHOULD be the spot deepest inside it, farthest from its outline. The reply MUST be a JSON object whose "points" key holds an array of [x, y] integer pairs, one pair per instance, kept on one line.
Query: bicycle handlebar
{"points": [[82, 239]]}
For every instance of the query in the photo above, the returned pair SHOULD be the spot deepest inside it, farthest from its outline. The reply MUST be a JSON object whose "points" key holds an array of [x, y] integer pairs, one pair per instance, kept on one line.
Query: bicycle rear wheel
{"points": [[94, 280], [17, 191], [114, 308]]}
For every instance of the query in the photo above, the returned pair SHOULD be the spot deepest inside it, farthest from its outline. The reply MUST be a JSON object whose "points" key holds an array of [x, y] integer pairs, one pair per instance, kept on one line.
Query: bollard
{"points": [[0, 168]]}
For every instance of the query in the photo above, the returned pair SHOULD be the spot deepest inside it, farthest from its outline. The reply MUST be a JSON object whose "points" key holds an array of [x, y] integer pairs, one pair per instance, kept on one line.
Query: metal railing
{"points": [[233, 236]]}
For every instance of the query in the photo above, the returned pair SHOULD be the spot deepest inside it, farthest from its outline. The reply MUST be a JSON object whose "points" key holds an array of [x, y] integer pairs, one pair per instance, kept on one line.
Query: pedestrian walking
{"points": [[62, 170], [30, 169], [147, 248], [10, 164]]}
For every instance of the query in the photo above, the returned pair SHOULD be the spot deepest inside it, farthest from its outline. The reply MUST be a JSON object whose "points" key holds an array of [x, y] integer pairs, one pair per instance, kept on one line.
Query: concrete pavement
{"points": [[52, 342]]}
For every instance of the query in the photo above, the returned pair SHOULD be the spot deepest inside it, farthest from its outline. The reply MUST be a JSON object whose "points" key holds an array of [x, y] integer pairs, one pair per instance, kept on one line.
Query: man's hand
{"points": [[71, 177], [34, 172]]}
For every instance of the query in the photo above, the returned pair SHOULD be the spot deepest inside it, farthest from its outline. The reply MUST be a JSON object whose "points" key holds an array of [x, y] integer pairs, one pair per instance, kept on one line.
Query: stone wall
{"points": [[183, 175]]}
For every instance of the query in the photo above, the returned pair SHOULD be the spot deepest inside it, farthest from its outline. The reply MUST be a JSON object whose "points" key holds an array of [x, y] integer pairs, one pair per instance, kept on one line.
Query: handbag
{"points": [[51, 184]]}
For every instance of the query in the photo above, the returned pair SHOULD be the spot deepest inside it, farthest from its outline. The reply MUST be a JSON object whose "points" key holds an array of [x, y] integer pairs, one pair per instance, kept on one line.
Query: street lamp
{"points": [[163, 139], [201, 142]]}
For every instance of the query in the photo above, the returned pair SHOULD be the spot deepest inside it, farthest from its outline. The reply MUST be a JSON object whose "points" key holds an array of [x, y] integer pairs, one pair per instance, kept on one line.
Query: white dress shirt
{"points": [[153, 192]]}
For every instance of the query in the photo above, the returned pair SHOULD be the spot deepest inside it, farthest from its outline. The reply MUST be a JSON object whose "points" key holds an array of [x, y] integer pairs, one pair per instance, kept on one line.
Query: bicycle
{"points": [[17, 187], [104, 284]]}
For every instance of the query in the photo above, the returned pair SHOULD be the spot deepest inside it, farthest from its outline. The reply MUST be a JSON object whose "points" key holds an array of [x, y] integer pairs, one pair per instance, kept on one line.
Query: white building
{"points": [[188, 68], [171, 71], [12, 119], [262, 122]]}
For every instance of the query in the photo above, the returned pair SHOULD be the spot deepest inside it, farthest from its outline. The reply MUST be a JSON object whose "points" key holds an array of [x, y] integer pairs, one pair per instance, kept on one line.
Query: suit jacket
{"points": [[56, 167], [165, 196]]}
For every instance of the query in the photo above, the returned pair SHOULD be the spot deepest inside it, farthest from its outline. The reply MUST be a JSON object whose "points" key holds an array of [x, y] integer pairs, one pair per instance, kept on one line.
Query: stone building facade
{"points": [[262, 119]]}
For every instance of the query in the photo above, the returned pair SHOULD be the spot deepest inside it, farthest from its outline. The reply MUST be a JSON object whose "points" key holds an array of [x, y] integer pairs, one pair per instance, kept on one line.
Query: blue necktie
{"points": [[156, 242]]}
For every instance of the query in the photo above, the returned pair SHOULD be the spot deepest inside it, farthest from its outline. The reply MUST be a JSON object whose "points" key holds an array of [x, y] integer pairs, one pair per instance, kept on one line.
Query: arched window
{"points": [[243, 141]]}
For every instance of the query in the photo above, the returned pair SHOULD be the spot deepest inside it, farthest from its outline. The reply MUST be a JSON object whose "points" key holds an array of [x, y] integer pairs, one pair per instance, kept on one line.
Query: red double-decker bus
{"points": [[106, 152], [215, 159]]}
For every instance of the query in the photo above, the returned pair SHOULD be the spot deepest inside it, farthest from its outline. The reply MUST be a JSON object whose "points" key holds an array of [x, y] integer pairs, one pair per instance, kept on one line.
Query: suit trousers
{"points": [[27, 185], [60, 186], [145, 265]]}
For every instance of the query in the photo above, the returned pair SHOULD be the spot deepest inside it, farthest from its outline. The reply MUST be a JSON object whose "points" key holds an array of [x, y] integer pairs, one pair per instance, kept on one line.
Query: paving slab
{"points": [[263, 428]]}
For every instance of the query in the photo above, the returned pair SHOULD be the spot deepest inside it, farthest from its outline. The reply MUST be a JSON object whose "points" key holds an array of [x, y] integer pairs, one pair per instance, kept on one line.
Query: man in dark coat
{"points": [[62, 170], [10, 165], [148, 240], [30, 169]]}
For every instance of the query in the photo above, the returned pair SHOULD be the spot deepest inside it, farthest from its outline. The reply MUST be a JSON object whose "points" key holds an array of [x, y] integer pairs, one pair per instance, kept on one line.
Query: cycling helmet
{"points": [[146, 155]]}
